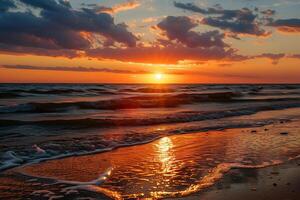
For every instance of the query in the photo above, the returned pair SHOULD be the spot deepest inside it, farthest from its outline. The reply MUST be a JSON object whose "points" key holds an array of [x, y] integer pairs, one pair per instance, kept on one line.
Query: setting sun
{"points": [[158, 76], [150, 99]]}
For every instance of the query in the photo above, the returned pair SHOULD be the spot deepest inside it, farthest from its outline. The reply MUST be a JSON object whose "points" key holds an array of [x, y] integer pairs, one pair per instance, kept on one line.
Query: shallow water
{"points": [[177, 165], [42, 122], [55, 117]]}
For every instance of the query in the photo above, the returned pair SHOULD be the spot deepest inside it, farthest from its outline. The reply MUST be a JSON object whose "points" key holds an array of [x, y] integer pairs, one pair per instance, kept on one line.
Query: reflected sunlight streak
{"points": [[165, 155]]}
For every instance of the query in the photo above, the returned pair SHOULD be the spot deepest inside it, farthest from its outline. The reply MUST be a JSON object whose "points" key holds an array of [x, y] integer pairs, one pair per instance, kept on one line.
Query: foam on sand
{"points": [[176, 165]]}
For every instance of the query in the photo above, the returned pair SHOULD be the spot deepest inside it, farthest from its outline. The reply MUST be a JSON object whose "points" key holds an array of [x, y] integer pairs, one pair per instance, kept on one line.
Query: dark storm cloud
{"points": [[74, 69], [188, 45], [54, 28], [194, 8], [58, 26], [287, 25], [65, 3], [6, 4], [268, 12], [294, 22], [179, 28], [25, 29], [242, 21]]}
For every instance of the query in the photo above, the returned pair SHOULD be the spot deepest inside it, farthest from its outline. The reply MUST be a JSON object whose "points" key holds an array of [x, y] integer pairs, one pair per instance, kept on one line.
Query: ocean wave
{"points": [[274, 93], [10, 159], [140, 101], [90, 144], [149, 90], [148, 101], [9, 95], [14, 93], [23, 91], [179, 117], [40, 90]]}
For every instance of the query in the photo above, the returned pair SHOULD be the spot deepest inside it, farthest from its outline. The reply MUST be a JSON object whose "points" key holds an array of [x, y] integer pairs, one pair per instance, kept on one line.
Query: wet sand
{"points": [[280, 182], [225, 164]]}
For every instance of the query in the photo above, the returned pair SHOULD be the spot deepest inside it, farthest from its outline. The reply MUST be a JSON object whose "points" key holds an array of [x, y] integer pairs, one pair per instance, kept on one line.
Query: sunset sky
{"points": [[150, 41]]}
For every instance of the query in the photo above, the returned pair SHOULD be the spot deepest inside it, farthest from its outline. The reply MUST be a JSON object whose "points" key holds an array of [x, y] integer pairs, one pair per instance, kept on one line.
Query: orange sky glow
{"points": [[181, 41]]}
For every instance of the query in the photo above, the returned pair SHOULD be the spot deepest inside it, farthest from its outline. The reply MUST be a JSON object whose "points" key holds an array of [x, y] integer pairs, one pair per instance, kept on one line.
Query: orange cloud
{"points": [[287, 29], [166, 55], [120, 7], [287, 25]]}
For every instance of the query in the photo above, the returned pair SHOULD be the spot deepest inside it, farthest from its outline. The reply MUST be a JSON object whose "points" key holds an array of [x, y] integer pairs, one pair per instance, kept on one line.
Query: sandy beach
{"points": [[270, 183], [188, 166], [149, 99]]}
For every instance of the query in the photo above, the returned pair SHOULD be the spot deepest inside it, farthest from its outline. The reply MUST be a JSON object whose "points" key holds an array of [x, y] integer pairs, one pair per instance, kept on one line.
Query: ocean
{"points": [[55, 122]]}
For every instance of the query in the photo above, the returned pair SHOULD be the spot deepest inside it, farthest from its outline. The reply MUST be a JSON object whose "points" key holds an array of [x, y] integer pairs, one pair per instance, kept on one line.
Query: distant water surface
{"points": [[64, 119]]}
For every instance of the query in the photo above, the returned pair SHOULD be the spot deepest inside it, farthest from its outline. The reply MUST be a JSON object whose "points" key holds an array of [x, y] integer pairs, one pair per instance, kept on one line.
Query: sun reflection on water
{"points": [[166, 157]]}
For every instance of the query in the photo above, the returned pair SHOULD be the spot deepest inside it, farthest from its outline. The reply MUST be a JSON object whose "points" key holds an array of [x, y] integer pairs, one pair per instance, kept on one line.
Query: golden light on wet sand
{"points": [[165, 154]]}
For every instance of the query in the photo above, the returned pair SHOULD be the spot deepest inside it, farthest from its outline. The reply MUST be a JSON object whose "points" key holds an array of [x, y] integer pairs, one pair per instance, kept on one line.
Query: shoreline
{"points": [[11, 164], [153, 165], [276, 182]]}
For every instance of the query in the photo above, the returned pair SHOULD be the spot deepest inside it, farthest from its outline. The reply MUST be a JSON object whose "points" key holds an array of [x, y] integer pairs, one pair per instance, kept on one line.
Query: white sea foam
{"points": [[97, 182], [210, 179], [10, 159], [38, 149]]}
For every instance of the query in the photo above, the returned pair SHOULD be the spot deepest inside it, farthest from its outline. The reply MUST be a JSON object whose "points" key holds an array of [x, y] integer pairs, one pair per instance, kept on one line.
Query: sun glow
{"points": [[158, 76]]}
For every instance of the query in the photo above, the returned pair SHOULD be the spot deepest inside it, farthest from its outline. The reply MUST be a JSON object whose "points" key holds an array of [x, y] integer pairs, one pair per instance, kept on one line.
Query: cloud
{"points": [[55, 28], [166, 55], [272, 56], [136, 72], [65, 3], [180, 43], [58, 26], [268, 12], [150, 19], [287, 25], [179, 28], [128, 5], [179, 54], [296, 56], [74, 69], [192, 7], [6, 4], [227, 75], [21, 50], [242, 21]]}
